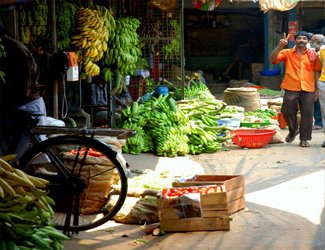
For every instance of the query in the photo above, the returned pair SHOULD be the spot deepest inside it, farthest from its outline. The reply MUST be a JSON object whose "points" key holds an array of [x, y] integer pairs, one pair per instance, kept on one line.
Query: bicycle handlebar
{"points": [[118, 133]]}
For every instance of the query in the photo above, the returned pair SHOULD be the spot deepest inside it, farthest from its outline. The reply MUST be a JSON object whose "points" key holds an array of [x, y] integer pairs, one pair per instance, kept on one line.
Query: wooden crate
{"points": [[215, 208], [234, 188], [195, 224], [213, 214]]}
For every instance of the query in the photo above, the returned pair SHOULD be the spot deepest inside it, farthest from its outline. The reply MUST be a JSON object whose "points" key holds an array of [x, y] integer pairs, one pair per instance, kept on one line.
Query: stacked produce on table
{"points": [[26, 212], [171, 128], [259, 117]]}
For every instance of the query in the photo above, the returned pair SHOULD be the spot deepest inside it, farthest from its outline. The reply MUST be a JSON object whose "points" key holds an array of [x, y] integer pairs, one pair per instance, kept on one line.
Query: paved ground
{"points": [[285, 196]]}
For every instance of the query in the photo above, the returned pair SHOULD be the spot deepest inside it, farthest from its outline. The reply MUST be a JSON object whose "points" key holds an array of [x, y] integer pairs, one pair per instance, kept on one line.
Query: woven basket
{"points": [[252, 138]]}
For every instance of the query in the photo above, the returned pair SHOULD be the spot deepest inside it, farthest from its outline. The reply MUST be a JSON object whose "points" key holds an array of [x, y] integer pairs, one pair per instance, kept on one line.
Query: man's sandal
{"points": [[304, 144], [291, 137]]}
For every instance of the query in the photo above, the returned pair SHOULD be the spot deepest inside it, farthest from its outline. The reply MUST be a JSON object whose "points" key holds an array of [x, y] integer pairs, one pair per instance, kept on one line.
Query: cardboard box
{"points": [[255, 72]]}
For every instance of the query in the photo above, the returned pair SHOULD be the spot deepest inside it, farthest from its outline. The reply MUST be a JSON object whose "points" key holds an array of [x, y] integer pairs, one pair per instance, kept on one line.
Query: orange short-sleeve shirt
{"points": [[300, 71]]}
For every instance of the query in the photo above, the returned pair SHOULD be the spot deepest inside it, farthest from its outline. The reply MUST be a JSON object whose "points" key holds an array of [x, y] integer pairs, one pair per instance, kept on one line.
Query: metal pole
{"points": [[182, 49]]}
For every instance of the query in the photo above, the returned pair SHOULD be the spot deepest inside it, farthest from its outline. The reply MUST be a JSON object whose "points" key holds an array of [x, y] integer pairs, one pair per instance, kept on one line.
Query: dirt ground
{"points": [[285, 196]]}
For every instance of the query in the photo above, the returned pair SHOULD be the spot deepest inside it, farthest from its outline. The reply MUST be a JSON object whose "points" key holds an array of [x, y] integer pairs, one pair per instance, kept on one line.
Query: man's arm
{"points": [[282, 43], [275, 53]]}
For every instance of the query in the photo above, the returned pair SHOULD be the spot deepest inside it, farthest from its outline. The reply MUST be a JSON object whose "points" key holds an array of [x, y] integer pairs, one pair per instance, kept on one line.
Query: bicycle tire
{"points": [[34, 163]]}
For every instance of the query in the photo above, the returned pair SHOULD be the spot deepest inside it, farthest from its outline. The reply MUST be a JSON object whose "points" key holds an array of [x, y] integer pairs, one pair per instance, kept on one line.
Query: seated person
{"points": [[99, 98]]}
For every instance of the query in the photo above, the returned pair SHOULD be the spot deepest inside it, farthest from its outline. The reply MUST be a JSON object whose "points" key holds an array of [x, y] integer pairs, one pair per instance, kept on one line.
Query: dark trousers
{"points": [[303, 101], [317, 114]]}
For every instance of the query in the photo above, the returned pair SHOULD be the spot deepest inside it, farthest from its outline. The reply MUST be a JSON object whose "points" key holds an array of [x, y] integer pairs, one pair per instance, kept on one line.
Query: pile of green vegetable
{"points": [[170, 128]]}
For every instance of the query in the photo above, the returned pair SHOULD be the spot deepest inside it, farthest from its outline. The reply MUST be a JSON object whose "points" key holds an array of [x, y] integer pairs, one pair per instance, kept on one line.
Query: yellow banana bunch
{"points": [[91, 69], [25, 211], [33, 21], [91, 39], [14, 182]]}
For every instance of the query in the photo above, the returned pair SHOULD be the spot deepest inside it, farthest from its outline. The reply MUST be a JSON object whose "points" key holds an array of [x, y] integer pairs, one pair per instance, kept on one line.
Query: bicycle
{"points": [[79, 167]]}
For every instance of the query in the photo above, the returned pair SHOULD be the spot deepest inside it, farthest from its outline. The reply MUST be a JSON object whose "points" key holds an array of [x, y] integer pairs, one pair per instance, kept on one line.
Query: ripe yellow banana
{"points": [[5, 165], [11, 182], [20, 190], [2, 193], [17, 178], [38, 182], [8, 157], [7, 188], [24, 176]]}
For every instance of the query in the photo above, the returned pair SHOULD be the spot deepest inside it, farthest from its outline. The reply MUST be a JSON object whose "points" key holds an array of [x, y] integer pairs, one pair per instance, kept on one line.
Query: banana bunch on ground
{"points": [[65, 23], [139, 143], [189, 127], [90, 39], [161, 120], [25, 212], [206, 136], [33, 21]]}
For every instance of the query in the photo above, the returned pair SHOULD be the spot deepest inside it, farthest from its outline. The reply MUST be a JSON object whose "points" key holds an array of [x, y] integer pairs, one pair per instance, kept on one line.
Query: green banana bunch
{"points": [[124, 51], [171, 141], [65, 23], [107, 75], [139, 143], [154, 116], [172, 49]]}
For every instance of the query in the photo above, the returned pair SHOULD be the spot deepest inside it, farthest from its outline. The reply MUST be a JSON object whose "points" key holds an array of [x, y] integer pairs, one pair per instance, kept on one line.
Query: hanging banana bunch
{"points": [[124, 51], [109, 23], [33, 21], [90, 40], [65, 23]]}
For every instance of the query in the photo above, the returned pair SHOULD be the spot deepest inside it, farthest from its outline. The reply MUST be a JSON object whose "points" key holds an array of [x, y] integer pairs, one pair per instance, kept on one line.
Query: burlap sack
{"points": [[277, 137], [138, 211], [248, 98], [99, 182]]}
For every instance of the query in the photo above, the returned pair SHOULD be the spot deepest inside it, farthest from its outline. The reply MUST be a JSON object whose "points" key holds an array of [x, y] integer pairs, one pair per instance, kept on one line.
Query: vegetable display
{"points": [[171, 128], [176, 192]]}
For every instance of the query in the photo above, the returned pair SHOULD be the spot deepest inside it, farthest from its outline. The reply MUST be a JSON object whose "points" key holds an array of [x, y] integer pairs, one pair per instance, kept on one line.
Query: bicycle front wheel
{"points": [[87, 180]]}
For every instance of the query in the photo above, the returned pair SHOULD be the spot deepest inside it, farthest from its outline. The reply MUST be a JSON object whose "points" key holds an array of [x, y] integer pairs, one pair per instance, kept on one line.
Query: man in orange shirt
{"points": [[302, 69]]}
